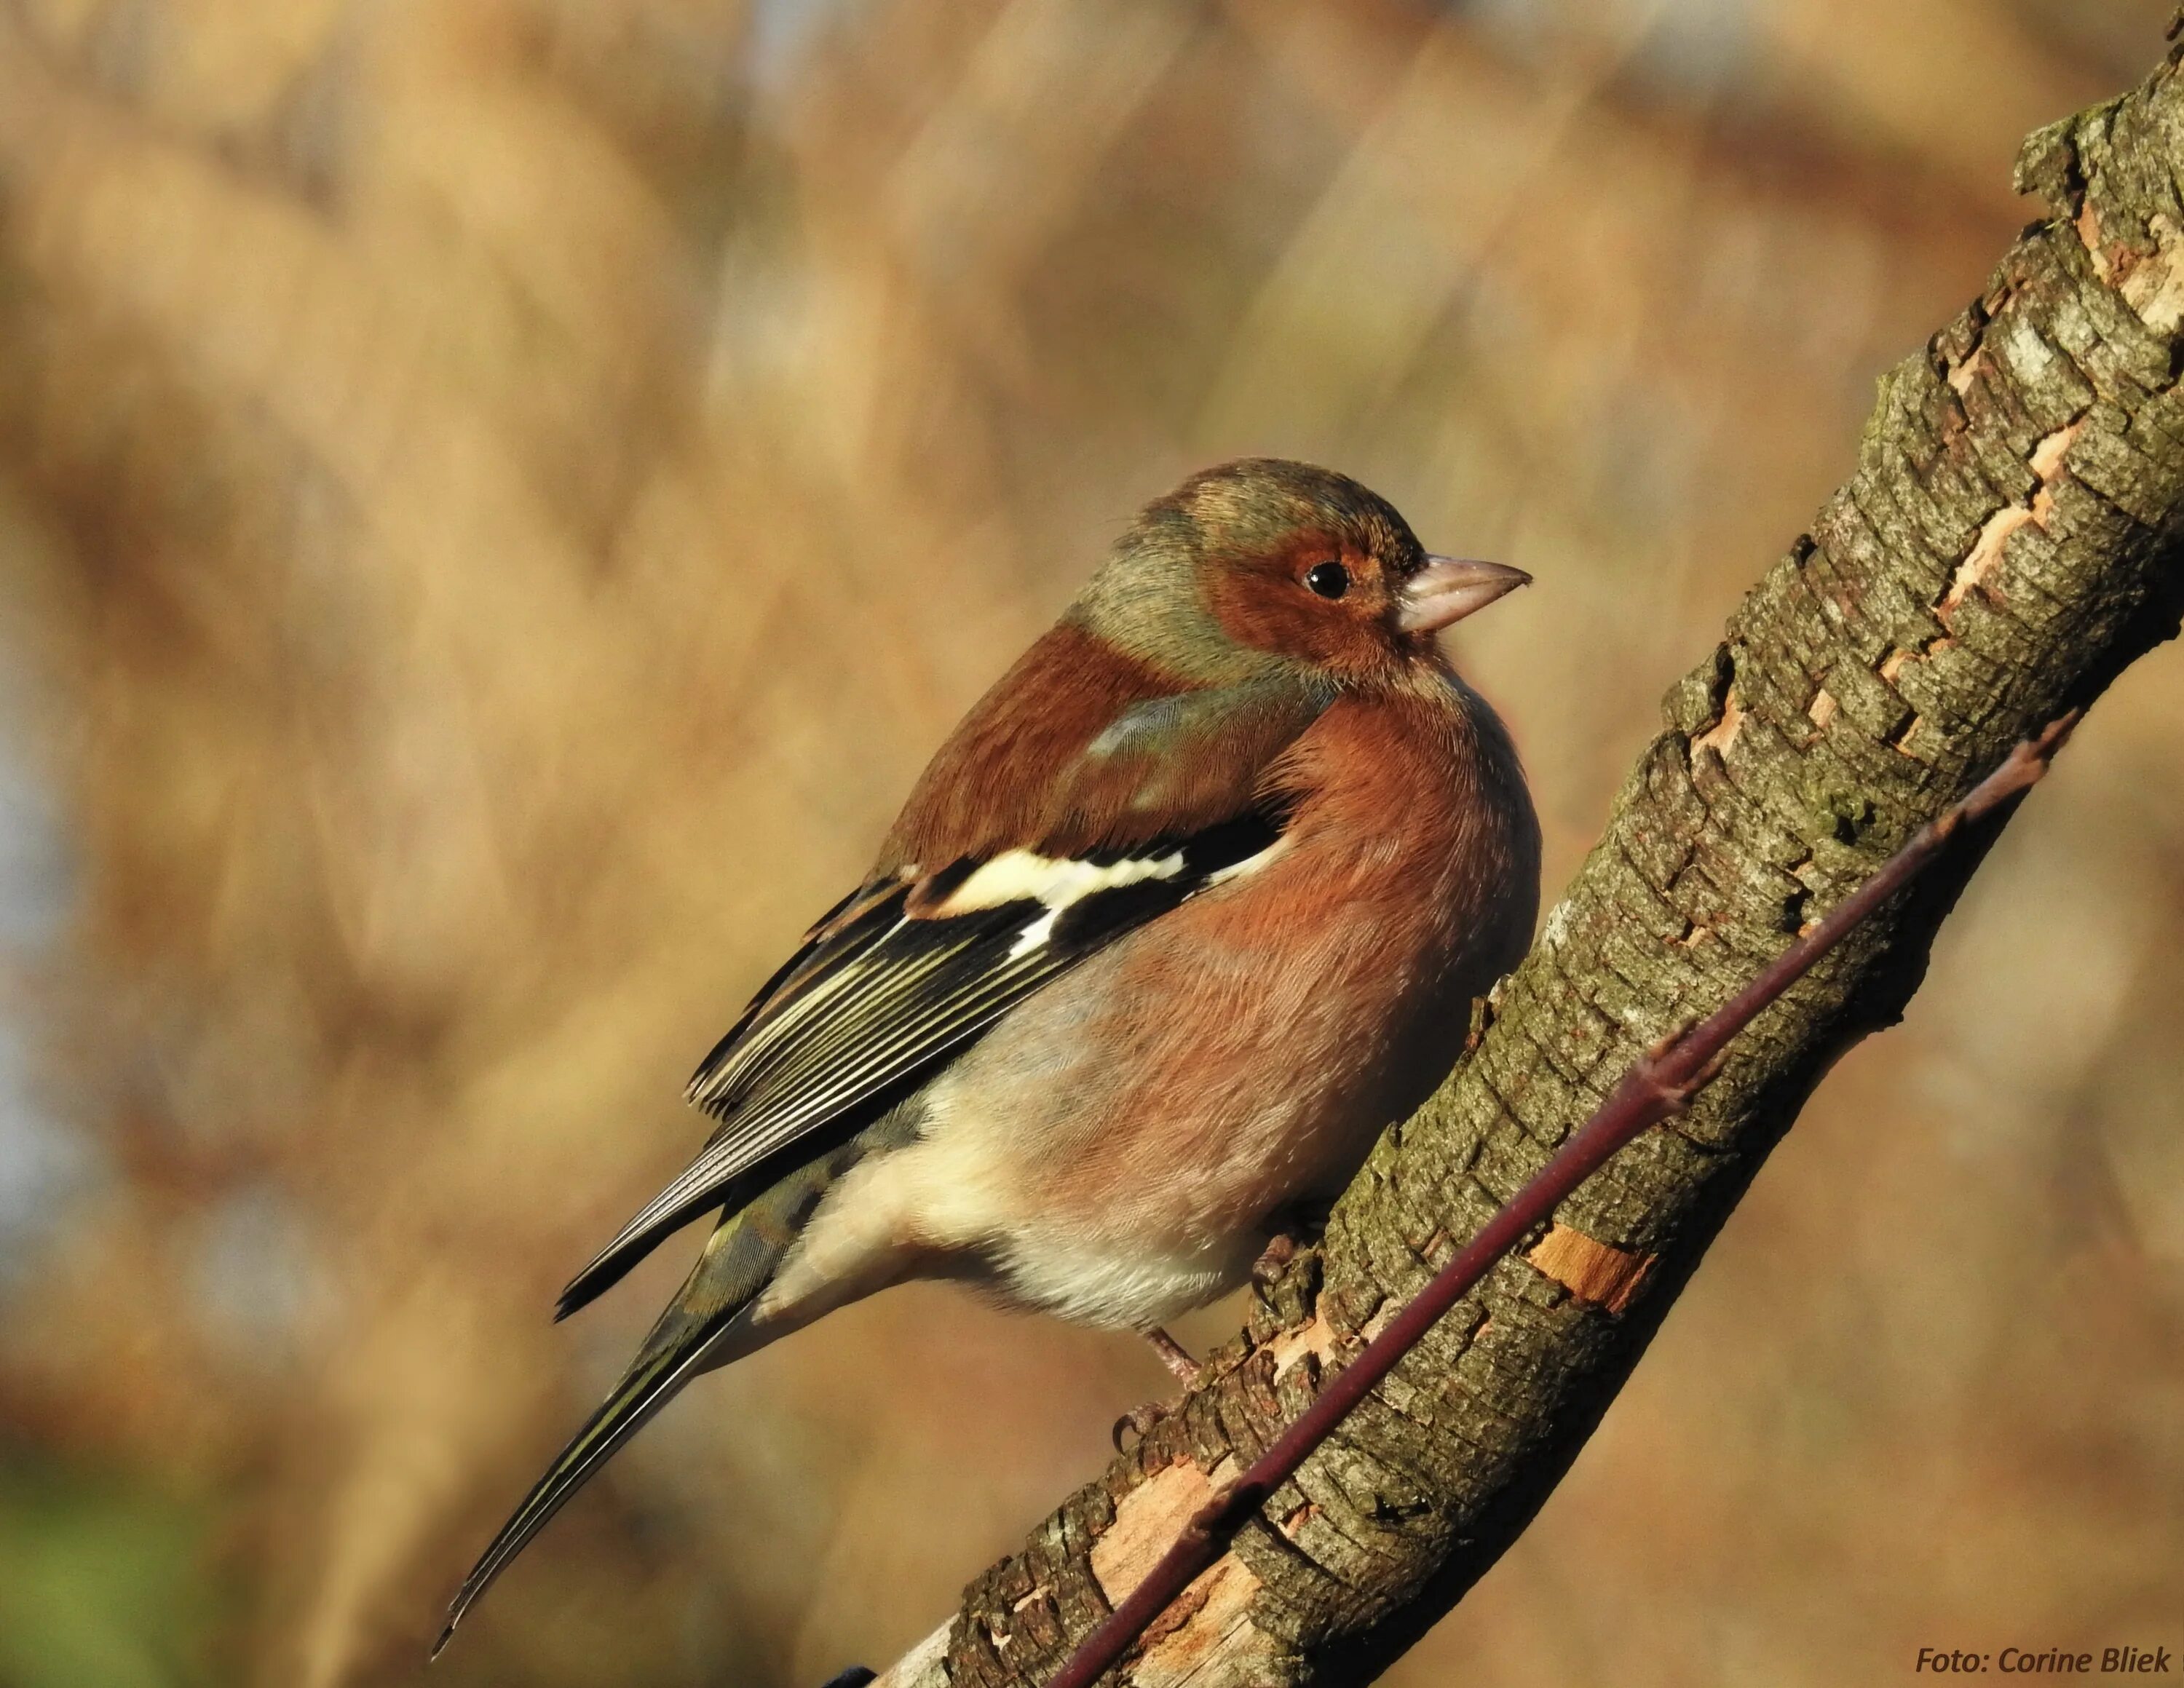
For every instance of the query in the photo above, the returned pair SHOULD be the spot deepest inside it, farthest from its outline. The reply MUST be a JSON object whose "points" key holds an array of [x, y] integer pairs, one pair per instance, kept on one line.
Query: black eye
{"points": [[1329, 579]]}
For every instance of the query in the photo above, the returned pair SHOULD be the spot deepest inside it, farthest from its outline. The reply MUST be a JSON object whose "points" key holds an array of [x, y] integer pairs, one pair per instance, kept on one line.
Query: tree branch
{"points": [[2004, 549], [1659, 1085]]}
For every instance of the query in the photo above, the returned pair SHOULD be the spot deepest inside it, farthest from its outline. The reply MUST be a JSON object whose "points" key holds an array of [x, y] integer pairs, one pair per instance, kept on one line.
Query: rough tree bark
{"points": [[2007, 545]]}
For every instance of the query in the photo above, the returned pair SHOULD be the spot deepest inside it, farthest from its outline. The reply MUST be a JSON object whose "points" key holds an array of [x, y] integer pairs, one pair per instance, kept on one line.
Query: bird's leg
{"points": [[1174, 1355], [1293, 1228], [1177, 1358]]}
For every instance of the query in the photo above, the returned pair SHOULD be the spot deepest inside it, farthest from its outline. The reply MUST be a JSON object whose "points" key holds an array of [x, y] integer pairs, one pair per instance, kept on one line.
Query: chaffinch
{"points": [[1191, 904]]}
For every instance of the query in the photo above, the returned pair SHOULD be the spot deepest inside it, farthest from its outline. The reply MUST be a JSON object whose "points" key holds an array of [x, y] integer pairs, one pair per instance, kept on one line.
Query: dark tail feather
{"points": [[737, 1263], [648, 1387]]}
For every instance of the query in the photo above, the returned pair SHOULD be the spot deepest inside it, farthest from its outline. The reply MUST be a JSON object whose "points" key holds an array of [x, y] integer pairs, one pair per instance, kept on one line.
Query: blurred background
{"points": [[498, 497]]}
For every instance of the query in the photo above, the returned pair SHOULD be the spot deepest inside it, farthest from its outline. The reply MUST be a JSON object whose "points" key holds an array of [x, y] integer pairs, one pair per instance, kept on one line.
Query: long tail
{"points": [[706, 1325]]}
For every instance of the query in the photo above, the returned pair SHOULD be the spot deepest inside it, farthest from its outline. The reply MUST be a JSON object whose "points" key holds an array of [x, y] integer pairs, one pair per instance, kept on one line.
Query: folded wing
{"points": [[900, 977]]}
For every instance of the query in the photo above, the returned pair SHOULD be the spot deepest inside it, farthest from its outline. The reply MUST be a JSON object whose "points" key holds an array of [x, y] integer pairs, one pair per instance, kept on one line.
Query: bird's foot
{"points": [[1187, 1372], [1280, 1250], [1137, 1423]]}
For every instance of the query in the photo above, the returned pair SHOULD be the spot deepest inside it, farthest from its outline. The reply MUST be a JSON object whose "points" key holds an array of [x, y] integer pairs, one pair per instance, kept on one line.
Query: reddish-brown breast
{"points": [[1336, 979]]}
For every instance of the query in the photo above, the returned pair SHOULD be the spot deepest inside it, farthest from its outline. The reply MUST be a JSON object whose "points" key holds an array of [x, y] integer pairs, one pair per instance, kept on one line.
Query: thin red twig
{"points": [[1658, 1085]]}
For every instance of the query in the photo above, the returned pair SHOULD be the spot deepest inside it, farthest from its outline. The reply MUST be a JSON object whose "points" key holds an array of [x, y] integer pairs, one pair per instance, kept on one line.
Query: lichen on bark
{"points": [[2004, 549]]}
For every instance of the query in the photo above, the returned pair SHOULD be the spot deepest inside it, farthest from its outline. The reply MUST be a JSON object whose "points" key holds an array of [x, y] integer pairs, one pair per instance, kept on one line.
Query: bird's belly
{"points": [[1086, 1160], [1099, 1280], [1012, 1186]]}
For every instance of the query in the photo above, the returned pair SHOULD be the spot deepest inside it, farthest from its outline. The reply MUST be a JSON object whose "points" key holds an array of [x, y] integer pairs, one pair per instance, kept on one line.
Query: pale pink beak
{"points": [[1449, 589]]}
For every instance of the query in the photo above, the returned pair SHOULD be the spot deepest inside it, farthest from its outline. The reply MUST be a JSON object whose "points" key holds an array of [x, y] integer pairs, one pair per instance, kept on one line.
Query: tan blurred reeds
{"points": [[497, 501]]}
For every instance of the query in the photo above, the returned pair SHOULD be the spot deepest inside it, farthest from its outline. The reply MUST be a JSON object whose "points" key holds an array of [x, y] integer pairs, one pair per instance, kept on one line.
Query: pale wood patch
{"points": [[1207, 1628], [2088, 225], [1289, 1346], [2155, 288], [2046, 460], [1723, 734], [1590, 1270], [1147, 1521], [1209, 1622]]}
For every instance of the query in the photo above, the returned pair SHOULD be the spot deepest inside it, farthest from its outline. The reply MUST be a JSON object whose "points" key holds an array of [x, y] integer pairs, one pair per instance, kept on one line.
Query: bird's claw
{"points": [[1185, 1370], [1280, 1250], [1138, 1420]]}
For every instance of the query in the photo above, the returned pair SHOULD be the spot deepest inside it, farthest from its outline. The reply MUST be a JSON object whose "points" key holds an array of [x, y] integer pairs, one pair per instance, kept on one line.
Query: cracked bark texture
{"points": [[2006, 546]]}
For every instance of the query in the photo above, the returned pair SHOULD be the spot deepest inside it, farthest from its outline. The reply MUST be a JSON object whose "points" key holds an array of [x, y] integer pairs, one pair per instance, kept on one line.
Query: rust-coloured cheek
{"points": [[1262, 603]]}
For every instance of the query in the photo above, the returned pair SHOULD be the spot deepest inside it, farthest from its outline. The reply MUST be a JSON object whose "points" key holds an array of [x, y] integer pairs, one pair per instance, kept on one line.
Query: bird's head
{"points": [[1265, 564]]}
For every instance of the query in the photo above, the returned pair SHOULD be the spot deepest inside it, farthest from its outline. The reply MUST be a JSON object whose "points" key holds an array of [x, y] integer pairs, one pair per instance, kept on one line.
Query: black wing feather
{"points": [[879, 999]]}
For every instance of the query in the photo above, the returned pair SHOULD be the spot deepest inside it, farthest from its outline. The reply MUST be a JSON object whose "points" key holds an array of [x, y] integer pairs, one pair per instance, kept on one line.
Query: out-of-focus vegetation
{"points": [[103, 1579], [498, 498]]}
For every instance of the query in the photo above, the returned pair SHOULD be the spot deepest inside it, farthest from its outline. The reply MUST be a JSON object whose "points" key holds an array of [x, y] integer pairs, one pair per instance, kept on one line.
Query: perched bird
{"points": [[1191, 906]]}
